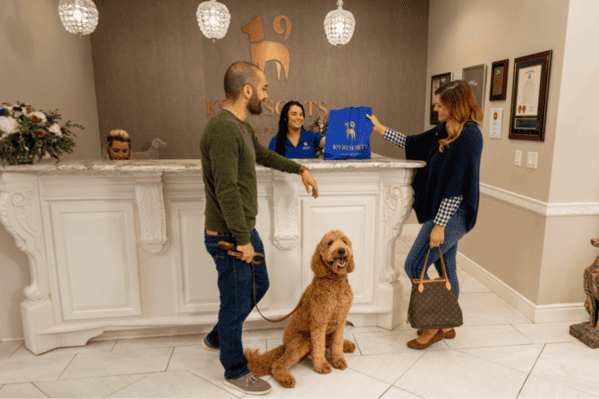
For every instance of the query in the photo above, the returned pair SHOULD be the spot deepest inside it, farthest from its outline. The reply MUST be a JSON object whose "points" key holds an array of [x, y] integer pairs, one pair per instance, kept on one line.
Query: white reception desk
{"points": [[119, 245]]}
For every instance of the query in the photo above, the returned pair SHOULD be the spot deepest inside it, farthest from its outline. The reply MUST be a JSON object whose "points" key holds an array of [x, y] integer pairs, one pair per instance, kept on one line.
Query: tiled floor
{"points": [[496, 353]]}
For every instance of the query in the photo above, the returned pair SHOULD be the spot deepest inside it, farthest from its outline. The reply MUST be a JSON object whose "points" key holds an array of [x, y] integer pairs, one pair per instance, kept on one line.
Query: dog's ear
{"points": [[318, 266], [351, 266]]}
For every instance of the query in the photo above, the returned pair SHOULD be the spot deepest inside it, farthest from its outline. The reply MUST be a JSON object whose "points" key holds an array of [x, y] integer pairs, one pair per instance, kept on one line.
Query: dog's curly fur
{"points": [[319, 321]]}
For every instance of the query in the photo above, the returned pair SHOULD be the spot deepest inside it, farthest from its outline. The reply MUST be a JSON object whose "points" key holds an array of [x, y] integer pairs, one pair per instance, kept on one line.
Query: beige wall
{"points": [[464, 33], [575, 170], [44, 65], [155, 72], [539, 257]]}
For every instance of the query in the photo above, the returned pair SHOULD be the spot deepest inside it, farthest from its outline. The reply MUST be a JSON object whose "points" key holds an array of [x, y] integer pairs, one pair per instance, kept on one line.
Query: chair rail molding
{"points": [[540, 207]]}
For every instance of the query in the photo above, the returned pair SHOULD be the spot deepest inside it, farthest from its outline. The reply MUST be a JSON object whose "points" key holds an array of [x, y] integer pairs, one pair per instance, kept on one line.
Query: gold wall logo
{"points": [[269, 51], [266, 51]]}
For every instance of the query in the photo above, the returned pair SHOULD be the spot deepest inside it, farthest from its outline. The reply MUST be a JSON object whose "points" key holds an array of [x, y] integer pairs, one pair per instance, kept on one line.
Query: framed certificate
{"points": [[475, 77], [499, 72], [529, 98], [436, 82]]}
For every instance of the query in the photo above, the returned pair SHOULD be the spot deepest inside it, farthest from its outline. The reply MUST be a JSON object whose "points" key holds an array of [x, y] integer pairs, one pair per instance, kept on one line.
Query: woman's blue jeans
{"points": [[236, 300], [454, 231]]}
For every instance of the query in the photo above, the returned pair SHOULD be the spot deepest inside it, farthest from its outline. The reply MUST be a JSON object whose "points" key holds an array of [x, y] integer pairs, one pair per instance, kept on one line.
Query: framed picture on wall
{"points": [[476, 77], [436, 82], [499, 72], [529, 97]]}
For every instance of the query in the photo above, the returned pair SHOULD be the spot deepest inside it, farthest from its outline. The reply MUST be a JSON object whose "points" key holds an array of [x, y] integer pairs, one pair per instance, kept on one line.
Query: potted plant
{"points": [[26, 133]]}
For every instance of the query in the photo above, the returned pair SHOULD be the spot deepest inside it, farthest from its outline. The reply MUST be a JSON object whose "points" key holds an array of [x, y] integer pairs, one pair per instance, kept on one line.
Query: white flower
{"points": [[40, 115], [55, 129], [8, 124]]}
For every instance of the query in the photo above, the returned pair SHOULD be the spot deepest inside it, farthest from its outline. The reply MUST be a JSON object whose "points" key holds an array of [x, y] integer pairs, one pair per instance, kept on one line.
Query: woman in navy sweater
{"points": [[446, 191]]}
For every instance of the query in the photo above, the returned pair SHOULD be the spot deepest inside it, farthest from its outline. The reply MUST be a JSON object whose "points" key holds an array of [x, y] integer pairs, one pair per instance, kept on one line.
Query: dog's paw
{"points": [[339, 363], [286, 379], [348, 346], [323, 368]]}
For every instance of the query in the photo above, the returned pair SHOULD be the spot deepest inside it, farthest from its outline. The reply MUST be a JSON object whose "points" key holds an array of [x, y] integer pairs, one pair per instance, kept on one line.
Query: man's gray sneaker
{"points": [[209, 346], [249, 384]]}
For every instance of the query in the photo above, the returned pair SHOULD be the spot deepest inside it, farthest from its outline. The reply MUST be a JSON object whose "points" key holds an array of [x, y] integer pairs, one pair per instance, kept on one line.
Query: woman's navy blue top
{"points": [[306, 145], [451, 173]]}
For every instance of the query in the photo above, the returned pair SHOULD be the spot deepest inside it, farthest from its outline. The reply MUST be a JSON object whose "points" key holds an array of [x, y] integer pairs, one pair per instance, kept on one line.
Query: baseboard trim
{"points": [[535, 313], [12, 339]]}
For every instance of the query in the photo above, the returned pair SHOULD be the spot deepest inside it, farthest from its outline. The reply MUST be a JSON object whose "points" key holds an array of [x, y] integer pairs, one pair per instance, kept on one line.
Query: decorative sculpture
{"points": [[117, 146], [150, 151], [588, 332]]}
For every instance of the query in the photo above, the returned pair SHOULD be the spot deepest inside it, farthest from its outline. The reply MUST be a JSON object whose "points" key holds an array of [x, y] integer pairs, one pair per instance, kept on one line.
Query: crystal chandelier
{"points": [[78, 16], [213, 18], [339, 25]]}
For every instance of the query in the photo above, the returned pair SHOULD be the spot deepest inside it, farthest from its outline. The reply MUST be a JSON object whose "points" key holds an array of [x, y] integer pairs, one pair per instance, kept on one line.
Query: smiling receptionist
{"points": [[292, 141]]}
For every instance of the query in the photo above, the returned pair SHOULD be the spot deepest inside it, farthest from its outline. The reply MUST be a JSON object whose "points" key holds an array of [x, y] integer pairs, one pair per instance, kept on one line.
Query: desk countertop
{"points": [[377, 162]]}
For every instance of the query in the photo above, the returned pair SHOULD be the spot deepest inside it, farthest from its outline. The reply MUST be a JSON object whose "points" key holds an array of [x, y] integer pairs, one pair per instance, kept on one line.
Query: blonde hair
{"points": [[119, 135], [458, 98]]}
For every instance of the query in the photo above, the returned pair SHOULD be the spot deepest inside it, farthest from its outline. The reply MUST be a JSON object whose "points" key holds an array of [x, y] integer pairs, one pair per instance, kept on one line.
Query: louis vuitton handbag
{"points": [[432, 302]]}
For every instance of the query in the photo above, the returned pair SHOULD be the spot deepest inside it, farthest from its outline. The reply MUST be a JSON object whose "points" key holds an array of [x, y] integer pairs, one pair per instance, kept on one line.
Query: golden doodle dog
{"points": [[320, 318]]}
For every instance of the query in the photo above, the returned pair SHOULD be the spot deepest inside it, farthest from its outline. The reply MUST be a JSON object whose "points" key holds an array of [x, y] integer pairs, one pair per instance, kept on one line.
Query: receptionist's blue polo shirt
{"points": [[306, 146]]}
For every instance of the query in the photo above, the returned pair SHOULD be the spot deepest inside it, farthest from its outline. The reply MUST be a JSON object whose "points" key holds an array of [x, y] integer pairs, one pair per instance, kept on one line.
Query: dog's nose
{"points": [[341, 251]]}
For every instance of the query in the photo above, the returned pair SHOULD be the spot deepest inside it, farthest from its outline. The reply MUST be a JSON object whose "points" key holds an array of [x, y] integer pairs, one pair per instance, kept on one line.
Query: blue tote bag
{"points": [[348, 134]]}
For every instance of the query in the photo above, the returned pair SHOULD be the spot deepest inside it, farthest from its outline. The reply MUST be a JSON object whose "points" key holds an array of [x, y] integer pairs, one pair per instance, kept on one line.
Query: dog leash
{"points": [[230, 248]]}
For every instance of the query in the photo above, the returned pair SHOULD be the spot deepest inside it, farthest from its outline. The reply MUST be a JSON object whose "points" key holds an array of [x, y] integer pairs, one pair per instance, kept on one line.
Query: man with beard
{"points": [[229, 152]]}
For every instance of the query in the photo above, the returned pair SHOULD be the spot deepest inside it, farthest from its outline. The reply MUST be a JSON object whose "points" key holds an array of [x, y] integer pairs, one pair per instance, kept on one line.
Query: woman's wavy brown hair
{"points": [[459, 99]]}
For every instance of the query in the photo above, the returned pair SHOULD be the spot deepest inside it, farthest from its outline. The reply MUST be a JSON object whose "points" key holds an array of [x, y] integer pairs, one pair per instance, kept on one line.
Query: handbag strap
{"points": [[447, 283]]}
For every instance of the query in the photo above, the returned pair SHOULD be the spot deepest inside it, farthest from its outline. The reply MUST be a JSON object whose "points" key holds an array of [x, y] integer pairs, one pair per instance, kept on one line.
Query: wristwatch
{"points": [[302, 169]]}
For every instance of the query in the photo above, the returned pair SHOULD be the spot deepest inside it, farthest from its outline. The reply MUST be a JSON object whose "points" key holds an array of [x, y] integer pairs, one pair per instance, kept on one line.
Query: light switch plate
{"points": [[532, 160], [518, 160]]}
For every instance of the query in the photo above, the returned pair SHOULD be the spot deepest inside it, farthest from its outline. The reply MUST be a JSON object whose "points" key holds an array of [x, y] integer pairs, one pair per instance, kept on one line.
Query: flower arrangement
{"points": [[26, 133], [320, 126]]}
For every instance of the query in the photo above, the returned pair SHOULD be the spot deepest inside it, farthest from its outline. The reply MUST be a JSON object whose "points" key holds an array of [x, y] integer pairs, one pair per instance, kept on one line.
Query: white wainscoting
{"points": [[96, 257], [119, 246]]}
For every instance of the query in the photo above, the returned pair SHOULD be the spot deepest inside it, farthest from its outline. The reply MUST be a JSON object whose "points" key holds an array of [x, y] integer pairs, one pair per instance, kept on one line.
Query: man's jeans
{"points": [[236, 303]]}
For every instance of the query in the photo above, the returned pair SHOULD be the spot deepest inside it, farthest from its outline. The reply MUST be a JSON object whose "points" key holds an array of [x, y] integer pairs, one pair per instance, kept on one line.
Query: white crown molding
{"points": [[542, 208]]}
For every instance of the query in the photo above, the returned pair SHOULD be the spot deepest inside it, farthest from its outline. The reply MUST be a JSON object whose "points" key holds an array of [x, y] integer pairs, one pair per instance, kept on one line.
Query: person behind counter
{"points": [[292, 141], [446, 191], [117, 146]]}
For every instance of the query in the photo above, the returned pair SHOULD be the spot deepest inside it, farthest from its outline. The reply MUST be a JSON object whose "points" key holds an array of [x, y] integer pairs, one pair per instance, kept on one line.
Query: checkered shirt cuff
{"points": [[446, 210], [395, 137]]}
